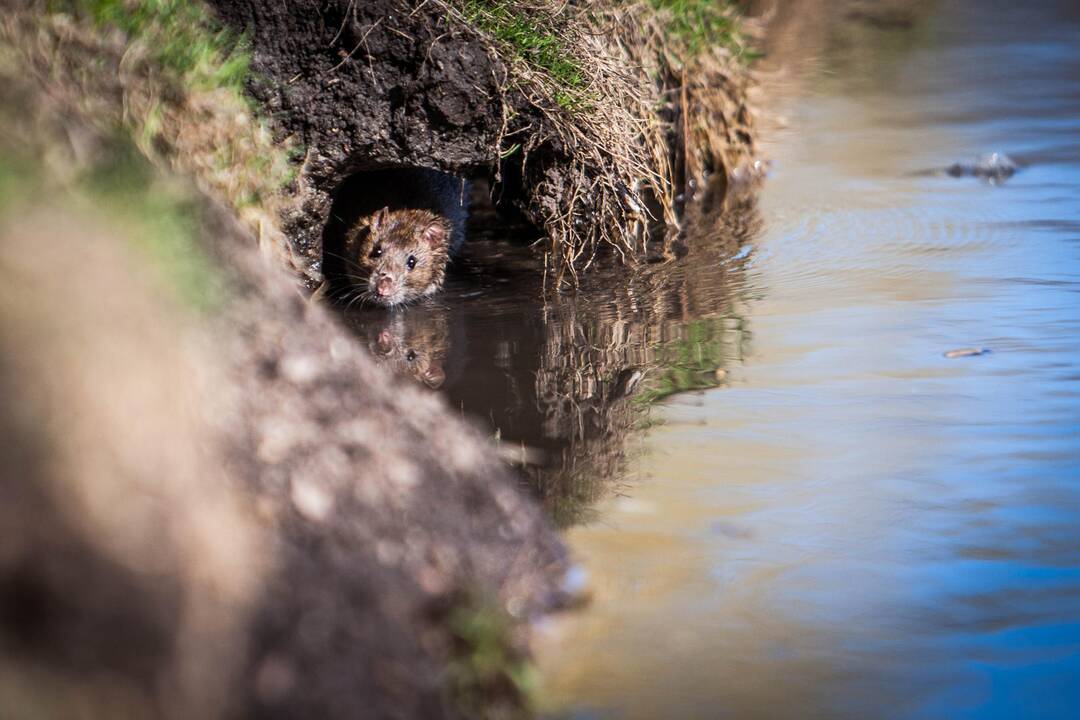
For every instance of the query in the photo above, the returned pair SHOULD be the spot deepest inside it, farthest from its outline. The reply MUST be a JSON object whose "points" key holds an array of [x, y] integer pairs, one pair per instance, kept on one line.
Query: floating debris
{"points": [[575, 588], [994, 168], [966, 352]]}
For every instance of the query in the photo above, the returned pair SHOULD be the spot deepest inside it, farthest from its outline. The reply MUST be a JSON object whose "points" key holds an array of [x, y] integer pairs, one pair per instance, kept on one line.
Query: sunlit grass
{"points": [[158, 219], [180, 36], [700, 24], [161, 222], [530, 40]]}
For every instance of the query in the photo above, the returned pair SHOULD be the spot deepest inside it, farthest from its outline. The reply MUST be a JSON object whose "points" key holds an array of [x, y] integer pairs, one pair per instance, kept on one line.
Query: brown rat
{"points": [[400, 227], [396, 256]]}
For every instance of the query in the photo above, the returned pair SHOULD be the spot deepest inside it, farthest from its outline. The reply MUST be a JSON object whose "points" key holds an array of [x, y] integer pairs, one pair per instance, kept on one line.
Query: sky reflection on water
{"points": [[857, 526]]}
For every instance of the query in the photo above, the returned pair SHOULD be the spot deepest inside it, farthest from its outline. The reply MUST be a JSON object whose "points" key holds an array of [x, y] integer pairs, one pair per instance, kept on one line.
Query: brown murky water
{"points": [[788, 501]]}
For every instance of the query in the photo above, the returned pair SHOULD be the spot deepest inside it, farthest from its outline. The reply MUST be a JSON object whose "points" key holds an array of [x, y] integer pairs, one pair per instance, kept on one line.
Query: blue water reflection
{"points": [[884, 532]]}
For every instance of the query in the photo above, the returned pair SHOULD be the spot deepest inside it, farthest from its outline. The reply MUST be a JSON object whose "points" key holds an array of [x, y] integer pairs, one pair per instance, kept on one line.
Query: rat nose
{"points": [[384, 285]]}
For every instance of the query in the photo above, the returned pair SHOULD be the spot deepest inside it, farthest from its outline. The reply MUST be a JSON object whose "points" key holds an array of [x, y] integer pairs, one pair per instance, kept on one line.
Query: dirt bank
{"points": [[594, 122], [217, 505]]}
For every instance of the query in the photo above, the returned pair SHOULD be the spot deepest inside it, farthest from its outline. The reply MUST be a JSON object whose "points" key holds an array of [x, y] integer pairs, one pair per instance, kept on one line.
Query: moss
{"points": [[488, 676], [692, 362]]}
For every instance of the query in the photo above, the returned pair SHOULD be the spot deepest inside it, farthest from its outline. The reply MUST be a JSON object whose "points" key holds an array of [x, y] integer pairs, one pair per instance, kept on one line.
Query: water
{"points": [[831, 519]]}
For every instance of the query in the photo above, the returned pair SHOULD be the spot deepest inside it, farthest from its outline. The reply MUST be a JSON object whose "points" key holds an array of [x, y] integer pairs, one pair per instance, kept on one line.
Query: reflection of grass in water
{"points": [[614, 409], [568, 511], [598, 377], [570, 494], [691, 362]]}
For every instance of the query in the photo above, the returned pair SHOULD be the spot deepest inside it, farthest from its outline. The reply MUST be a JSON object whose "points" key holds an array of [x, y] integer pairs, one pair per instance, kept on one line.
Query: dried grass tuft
{"points": [[638, 103]]}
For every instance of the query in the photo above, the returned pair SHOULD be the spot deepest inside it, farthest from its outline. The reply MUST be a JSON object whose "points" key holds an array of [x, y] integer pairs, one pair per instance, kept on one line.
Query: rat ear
{"points": [[435, 234], [379, 218]]}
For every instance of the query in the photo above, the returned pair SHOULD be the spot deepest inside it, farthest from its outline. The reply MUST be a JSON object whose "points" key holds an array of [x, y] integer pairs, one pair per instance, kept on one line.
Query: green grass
{"points": [[193, 53], [699, 24], [190, 54], [180, 35], [533, 43], [158, 219]]}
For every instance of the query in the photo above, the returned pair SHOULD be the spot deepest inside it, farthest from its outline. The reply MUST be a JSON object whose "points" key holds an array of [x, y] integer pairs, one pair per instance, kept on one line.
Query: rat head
{"points": [[401, 254]]}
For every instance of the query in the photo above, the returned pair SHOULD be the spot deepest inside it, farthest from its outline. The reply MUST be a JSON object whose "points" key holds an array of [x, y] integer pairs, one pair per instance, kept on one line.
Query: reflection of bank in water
{"points": [[563, 379]]}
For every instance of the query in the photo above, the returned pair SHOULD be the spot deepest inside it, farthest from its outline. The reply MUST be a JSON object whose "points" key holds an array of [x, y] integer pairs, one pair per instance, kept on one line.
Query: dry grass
{"points": [[168, 80], [638, 101]]}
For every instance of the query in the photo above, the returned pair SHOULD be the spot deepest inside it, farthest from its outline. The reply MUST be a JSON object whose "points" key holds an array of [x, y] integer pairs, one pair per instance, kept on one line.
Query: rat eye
{"points": [[411, 262], [410, 356], [376, 251]]}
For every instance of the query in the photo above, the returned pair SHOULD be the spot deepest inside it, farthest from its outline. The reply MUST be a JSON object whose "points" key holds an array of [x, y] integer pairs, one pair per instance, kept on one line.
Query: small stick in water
{"points": [[966, 352]]}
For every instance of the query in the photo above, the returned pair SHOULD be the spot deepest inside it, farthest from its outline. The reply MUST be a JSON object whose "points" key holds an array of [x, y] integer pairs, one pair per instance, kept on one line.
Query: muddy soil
{"points": [[371, 84]]}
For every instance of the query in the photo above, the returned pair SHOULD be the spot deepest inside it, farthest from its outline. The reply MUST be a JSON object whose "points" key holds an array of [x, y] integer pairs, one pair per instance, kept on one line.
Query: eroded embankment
{"points": [[593, 121], [216, 504]]}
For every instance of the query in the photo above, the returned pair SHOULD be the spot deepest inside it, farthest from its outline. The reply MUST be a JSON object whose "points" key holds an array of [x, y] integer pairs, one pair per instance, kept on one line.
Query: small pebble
{"points": [[575, 580], [966, 352], [311, 501], [516, 606], [300, 369]]}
